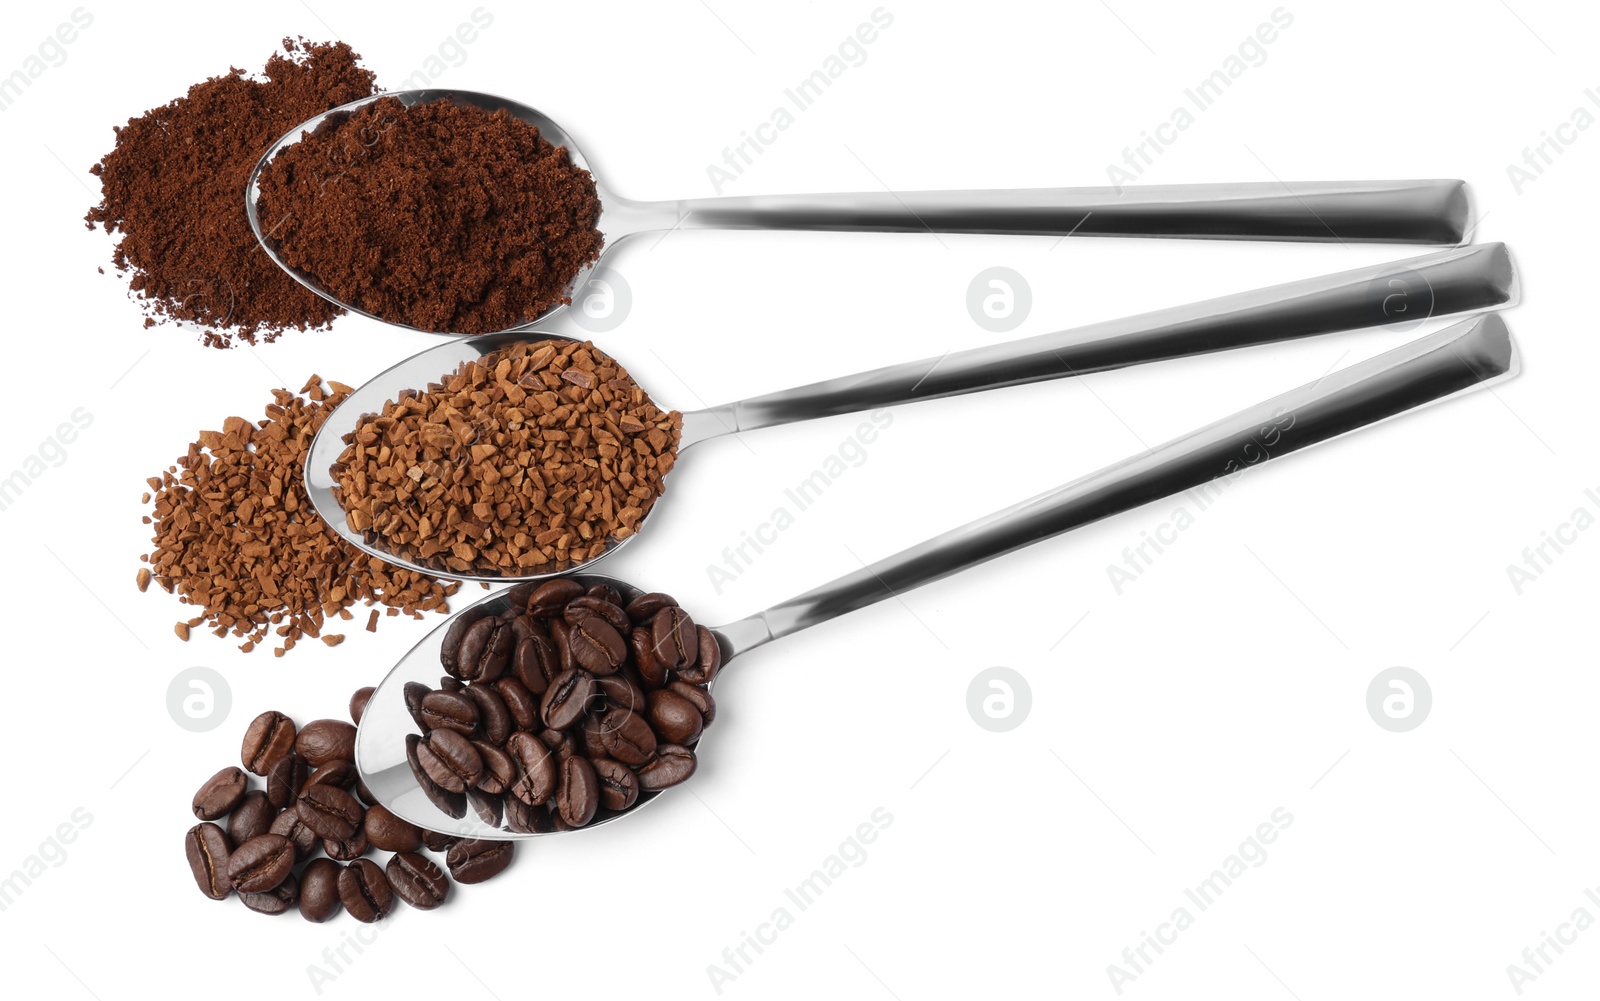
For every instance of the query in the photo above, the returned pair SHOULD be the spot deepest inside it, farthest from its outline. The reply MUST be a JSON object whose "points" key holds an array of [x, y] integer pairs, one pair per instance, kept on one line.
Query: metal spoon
{"points": [[1417, 211], [1455, 360], [1401, 292]]}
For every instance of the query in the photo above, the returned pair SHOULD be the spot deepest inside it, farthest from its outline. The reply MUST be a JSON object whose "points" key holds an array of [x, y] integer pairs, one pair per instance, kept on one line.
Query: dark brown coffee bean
{"points": [[597, 646], [561, 742], [708, 661], [414, 692], [285, 780], [450, 803], [525, 819], [269, 737], [620, 690], [449, 711], [494, 719], [435, 841], [536, 663], [568, 699], [552, 596], [319, 890], [220, 793], [260, 863], [700, 697], [651, 671], [289, 825], [486, 805], [450, 760], [537, 768], [449, 684], [676, 642], [605, 592], [324, 740], [619, 787], [358, 703], [206, 847], [523, 626], [581, 607], [329, 811], [339, 772], [560, 638], [451, 647], [365, 891], [672, 764], [499, 771], [365, 795], [251, 818], [277, 900], [645, 607], [389, 833], [626, 736], [674, 717], [472, 861], [520, 703], [579, 795], [485, 650], [417, 880], [350, 849]]}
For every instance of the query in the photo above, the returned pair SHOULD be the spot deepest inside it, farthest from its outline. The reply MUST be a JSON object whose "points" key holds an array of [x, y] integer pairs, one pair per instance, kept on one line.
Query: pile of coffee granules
{"points": [[236, 535], [443, 217], [531, 458], [253, 841], [174, 189]]}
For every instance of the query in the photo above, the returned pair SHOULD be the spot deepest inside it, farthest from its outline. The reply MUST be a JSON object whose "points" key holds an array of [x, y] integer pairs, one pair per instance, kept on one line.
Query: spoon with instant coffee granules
{"points": [[407, 492], [398, 214], [585, 751]]}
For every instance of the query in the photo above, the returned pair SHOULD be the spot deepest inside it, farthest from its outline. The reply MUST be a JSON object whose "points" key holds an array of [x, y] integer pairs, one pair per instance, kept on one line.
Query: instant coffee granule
{"points": [[236, 535], [444, 217], [531, 458], [173, 188]]}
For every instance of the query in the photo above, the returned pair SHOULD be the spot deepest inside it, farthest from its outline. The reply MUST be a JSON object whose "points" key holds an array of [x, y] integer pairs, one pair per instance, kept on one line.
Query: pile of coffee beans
{"points": [[532, 458], [568, 706], [263, 843]]}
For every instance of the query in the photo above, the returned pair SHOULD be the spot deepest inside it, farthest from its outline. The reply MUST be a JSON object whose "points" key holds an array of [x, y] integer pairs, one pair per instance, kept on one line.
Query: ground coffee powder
{"points": [[236, 534], [174, 189], [530, 458], [444, 217]]}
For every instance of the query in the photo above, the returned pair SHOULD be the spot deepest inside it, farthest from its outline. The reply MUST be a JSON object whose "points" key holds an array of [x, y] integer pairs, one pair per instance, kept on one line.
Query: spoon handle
{"points": [[1397, 293], [1454, 360], [1412, 211]]}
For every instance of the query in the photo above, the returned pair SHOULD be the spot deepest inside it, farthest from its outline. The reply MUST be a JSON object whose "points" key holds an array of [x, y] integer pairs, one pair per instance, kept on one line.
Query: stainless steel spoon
{"points": [[1401, 293], [1416, 211], [1455, 360]]}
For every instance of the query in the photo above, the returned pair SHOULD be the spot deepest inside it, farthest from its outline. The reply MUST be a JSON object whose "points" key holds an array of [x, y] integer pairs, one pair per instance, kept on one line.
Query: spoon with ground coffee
{"points": [[423, 209], [616, 722], [403, 468]]}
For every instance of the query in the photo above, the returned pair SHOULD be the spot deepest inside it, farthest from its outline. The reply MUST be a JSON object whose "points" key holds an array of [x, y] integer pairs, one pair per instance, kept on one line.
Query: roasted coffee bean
{"points": [[365, 795], [435, 841], [701, 698], [579, 795], [499, 771], [585, 605], [674, 718], [319, 890], [486, 805], [620, 690], [619, 787], [605, 592], [289, 825], [592, 738], [415, 692], [645, 607], [449, 684], [707, 662], [525, 819], [552, 596], [260, 863], [672, 764], [494, 719], [626, 736], [560, 638], [389, 833], [358, 703], [329, 811], [520, 703], [451, 804], [568, 699], [450, 711], [206, 847], [596, 645], [324, 740], [285, 780], [453, 636], [339, 772], [537, 768], [251, 818], [525, 625], [485, 650], [365, 891], [472, 861], [350, 849], [676, 644], [536, 663], [651, 671], [450, 760], [276, 900], [269, 737], [220, 793], [416, 880]]}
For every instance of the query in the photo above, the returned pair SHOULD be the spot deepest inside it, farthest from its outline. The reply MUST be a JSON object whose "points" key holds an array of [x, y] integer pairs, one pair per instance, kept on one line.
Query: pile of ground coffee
{"points": [[236, 534], [531, 458], [262, 843], [174, 189], [444, 217]]}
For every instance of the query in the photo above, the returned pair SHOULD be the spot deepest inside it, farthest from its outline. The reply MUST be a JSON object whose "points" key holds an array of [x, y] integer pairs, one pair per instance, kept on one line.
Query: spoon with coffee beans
{"points": [[291, 211], [568, 704], [561, 457]]}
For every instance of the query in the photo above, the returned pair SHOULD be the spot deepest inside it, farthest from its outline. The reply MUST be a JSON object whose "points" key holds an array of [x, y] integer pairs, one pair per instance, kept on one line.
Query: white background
{"points": [[1168, 721]]}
